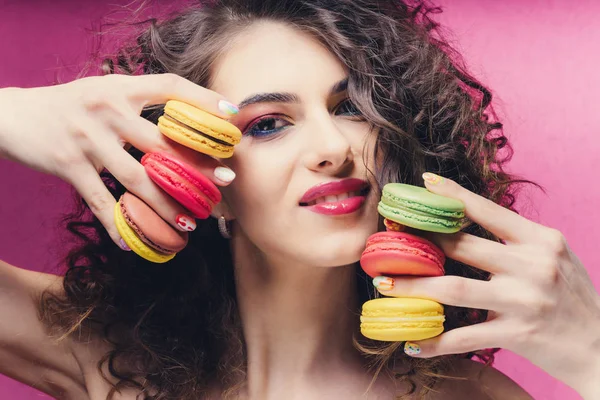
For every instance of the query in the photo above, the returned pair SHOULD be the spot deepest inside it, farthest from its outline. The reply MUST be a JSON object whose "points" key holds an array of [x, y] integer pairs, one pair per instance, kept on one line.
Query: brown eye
{"points": [[347, 107]]}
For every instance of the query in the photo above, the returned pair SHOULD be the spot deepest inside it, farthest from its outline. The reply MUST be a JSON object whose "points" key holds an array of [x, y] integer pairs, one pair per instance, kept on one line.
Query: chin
{"points": [[338, 253]]}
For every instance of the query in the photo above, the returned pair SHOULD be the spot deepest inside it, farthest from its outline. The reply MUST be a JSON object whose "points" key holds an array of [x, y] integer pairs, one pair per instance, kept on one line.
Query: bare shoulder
{"points": [[477, 381]]}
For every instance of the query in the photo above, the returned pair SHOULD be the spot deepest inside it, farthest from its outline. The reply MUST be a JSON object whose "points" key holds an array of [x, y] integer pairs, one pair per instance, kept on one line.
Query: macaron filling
{"points": [[420, 217], [415, 323], [208, 135], [418, 208]]}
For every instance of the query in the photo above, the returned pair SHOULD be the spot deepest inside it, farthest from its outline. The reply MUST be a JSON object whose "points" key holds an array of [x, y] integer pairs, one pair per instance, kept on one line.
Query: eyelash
{"points": [[270, 132]]}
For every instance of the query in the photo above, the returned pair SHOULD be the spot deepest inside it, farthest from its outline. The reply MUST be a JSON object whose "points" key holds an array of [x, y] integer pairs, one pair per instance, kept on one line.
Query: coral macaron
{"points": [[400, 253], [184, 183], [145, 232]]}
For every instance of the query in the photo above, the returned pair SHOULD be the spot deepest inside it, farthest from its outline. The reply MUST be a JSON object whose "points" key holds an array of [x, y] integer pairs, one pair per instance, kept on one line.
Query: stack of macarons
{"points": [[141, 228], [399, 253]]}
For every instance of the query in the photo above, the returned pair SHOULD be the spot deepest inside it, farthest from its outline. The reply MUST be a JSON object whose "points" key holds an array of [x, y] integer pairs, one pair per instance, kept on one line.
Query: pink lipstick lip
{"points": [[333, 188], [345, 206]]}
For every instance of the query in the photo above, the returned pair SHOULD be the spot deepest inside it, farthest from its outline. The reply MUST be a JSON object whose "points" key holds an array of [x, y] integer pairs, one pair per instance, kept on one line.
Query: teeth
{"points": [[333, 198], [343, 196]]}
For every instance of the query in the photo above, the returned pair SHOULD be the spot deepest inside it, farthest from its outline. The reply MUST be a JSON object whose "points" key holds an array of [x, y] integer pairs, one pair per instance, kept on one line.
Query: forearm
{"points": [[590, 389], [584, 370], [4, 92], [589, 386], [5, 131]]}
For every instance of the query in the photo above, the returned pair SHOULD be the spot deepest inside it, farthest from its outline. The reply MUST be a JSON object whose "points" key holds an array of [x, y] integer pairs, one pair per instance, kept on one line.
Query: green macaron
{"points": [[419, 208]]}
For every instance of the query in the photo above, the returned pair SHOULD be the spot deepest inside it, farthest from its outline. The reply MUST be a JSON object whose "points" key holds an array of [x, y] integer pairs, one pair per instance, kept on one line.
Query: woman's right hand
{"points": [[74, 130]]}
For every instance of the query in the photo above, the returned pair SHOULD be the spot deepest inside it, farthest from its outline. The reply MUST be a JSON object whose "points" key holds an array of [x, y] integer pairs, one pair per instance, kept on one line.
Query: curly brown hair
{"points": [[182, 331]]}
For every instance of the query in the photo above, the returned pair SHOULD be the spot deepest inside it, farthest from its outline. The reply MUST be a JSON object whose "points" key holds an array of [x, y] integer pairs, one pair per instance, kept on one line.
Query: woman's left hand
{"points": [[543, 305]]}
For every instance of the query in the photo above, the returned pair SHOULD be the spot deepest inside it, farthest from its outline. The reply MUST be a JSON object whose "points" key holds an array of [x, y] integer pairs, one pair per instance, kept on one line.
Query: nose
{"points": [[329, 150]]}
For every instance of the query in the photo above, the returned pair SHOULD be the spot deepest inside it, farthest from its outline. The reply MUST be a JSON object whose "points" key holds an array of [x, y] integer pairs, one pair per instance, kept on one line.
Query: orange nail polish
{"points": [[383, 283]]}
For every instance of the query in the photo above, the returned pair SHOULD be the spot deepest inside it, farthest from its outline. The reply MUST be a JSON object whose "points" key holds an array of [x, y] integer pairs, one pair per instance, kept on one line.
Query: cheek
{"points": [[258, 186]]}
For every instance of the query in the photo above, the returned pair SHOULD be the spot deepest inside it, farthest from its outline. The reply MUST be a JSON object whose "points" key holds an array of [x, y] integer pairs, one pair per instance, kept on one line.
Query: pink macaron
{"points": [[184, 183], [401, 253]]}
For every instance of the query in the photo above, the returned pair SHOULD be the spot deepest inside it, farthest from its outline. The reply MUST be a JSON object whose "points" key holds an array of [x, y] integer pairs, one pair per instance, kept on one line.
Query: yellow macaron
{"points": [[401, 319], [198, 129]]}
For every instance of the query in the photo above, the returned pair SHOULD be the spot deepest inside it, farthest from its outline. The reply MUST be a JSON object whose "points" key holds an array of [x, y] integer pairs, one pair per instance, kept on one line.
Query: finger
{"points": [[146, 137], [89, 185], [450, 290], [159, 88], [133, 176], [500, 221], [477, 252], [459, 341]]}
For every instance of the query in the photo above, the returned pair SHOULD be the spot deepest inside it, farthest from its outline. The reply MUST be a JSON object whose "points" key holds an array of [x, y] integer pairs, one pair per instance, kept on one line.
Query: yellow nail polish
{"points": [[433, 178], [412, 349]]}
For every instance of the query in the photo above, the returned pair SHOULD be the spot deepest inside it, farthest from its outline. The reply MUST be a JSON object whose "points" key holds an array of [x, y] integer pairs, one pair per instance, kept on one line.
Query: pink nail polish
{"points": [[185, 222]]}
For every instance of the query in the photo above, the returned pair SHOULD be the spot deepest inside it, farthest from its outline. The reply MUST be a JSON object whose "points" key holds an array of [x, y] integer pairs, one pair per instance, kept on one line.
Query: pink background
{"points": [[539, 57]]}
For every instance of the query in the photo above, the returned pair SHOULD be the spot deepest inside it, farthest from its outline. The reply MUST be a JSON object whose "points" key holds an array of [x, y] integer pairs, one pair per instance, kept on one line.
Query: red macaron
{"points": [[184, 183], [401, 253]]}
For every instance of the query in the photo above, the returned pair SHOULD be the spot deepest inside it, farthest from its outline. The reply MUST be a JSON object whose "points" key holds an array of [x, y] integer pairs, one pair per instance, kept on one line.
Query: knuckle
{"points": [[555, 242], [81, 139], [548, 274], [540, 304], [131, 179], [454, 289], [94, 99], [114, 78], [171, 81], [463, 343], [160, 146], [100, 203], [527, 332], [67, 159]]}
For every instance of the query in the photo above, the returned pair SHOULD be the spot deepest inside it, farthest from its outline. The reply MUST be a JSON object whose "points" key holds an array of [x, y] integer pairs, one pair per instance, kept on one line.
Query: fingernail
{"points": [[185, 222], [224, 174], [412, 349], [228, 108], [433, 178], [393, 226], [123, 245], [383, 283]]}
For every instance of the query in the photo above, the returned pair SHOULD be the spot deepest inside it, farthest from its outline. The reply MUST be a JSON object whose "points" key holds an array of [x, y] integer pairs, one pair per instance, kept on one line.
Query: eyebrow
{"points": [[286, 97]]}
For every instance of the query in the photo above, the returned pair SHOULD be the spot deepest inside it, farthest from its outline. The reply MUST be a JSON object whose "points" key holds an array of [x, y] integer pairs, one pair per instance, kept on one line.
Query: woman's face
{"points": [[292, 145]]}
